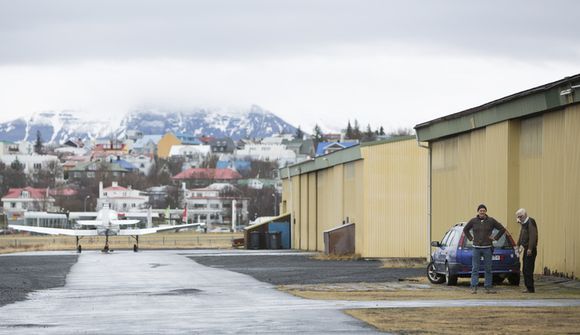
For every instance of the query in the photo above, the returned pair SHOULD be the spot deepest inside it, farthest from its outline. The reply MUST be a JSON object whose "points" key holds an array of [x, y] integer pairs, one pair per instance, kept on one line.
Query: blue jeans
{"points": [[477, 253]]}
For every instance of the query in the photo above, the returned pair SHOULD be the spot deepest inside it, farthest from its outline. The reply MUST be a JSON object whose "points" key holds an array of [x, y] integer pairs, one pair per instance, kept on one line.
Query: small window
{"points": [[454, 239], [446, 238]]}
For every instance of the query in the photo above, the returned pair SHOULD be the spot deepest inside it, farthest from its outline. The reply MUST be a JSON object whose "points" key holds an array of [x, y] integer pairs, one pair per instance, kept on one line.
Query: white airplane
{"points": [[106, 223]]}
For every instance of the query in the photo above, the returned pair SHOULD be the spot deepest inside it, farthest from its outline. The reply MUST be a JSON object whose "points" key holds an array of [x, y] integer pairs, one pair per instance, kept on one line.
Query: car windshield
{"points": [[502, 243]]}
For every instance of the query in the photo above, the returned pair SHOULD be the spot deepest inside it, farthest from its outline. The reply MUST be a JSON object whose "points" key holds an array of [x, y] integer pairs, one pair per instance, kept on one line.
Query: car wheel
{"points": [[434, 277], [514, 279], [450, 280]]}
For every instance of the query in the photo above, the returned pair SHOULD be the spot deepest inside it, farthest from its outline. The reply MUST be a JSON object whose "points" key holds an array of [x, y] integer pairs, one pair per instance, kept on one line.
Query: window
{"points": [[445, 238], [454, 239]]}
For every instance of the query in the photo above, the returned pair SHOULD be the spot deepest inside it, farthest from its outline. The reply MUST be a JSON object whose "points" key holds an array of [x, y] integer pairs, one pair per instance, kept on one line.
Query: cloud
{"points": [[311, 62], [63, 31]]}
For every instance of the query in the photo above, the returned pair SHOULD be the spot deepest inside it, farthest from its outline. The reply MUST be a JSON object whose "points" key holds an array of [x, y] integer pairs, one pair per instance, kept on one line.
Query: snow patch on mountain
{"points": [[58, 127]]}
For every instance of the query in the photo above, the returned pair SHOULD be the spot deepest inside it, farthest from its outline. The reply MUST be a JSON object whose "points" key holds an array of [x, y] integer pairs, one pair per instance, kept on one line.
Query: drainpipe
{"points": [[430, 199], [292, 209]]}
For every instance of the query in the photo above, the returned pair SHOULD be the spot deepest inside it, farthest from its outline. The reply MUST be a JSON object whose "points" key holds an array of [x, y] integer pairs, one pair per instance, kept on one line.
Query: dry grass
{"points": [[334, 257], [473, 320], [421, 289], [447, 320], [179, 240]]}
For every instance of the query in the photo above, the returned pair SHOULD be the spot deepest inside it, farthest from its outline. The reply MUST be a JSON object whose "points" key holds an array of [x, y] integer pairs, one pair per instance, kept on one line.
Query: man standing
{"points": [[482, 238], [527, 245]]}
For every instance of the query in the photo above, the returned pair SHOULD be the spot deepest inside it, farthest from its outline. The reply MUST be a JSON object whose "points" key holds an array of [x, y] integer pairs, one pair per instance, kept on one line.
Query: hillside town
{"points": [[223, 183]]}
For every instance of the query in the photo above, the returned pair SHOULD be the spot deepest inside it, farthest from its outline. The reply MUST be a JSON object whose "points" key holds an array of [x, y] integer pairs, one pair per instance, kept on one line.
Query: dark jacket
{"points": [[529, 234], [482, 229]]}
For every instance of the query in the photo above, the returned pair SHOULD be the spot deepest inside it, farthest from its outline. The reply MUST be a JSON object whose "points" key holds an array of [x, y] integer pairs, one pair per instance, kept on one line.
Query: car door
{"points": [[440, 254]]}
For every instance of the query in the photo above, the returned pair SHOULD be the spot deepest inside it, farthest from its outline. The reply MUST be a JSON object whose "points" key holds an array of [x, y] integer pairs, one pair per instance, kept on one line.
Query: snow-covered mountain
{"points": [[58, 127]]}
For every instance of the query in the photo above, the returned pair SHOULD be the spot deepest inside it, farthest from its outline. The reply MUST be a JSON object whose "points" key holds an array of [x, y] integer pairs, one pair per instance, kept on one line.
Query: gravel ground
{"points": [[289, 270], [20, 275]]}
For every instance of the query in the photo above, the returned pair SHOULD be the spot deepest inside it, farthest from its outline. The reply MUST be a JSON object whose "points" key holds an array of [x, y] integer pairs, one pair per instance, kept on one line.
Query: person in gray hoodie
{"points": [[482, 226], [528, 247]]}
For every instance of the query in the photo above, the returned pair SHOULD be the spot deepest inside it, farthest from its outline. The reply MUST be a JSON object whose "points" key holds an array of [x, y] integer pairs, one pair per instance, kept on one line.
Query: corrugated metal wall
{"points": [[532, 163], [396, 199], [394, 196]]}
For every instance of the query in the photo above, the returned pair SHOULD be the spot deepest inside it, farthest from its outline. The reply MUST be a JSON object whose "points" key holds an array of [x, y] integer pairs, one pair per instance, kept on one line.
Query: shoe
{"points": [[528, 291], [474, 290], [490, 291]]}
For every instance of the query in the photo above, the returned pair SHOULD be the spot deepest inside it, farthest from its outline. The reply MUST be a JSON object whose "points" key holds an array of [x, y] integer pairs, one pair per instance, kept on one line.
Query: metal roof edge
{"points": [[270, 220], [342, 156], [539, 99], [389, 140]]}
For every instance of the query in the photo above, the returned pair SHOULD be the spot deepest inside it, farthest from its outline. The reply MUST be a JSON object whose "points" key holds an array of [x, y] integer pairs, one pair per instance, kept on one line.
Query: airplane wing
{"points": [[89, 222], [144, 231], [101, 223], [124, 222], [55, 231]]}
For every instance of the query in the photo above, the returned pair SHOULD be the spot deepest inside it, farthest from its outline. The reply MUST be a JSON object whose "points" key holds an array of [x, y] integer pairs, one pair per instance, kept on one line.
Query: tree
{"points": [[38, 145], [14, 176], [356, 132], [348, 134], [210, 161], [368, 135], [318, 136], [299, 133], [401, 132], [382, 131]]}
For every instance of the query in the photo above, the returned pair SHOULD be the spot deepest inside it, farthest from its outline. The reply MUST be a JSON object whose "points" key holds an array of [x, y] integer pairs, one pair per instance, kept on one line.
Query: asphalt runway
{"points": [[173, 292], [300, 268], [20, 275]]}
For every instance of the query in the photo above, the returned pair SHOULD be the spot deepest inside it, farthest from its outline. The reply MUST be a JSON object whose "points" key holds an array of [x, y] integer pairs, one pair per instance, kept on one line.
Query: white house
{"points": [[16, 148], [194, 154], [270, 152], [121, 199], [217, 205], [31, 162], [20, 200]]}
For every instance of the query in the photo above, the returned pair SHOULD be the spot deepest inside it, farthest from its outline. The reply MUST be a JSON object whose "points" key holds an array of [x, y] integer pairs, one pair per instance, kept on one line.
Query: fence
{"points": [[181, 240]]}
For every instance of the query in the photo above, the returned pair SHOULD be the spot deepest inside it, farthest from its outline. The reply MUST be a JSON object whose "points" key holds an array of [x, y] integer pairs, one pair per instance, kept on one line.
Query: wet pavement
{"points": [[154, 292]]}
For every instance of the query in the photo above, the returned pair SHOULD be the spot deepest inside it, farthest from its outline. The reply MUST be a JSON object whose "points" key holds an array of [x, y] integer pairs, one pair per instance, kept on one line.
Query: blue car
{"points": [[452, 258]]}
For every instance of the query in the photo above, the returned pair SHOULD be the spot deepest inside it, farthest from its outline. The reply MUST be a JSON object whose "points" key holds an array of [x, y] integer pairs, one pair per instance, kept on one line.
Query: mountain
{"points": [[58, 127]]}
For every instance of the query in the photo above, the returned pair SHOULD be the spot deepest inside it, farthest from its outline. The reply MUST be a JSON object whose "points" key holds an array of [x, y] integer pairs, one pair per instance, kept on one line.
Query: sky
{"points": [[383, 63]]}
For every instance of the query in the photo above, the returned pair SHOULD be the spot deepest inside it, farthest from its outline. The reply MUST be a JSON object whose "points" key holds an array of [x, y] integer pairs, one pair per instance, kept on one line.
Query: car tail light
{"points": [[461, 239]]}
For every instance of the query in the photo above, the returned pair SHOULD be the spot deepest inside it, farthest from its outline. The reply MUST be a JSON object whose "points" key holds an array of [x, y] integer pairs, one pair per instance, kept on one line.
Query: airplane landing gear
{"points": [[79, 247], [106, 247], [136, 245]]}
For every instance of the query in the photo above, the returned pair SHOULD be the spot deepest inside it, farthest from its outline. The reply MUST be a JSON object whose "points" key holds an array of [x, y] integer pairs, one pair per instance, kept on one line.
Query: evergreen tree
{"points": [[356, 132], [38, 144], [349, 133], [368, 135], [317, 136], [299, 133], [382, 131]]}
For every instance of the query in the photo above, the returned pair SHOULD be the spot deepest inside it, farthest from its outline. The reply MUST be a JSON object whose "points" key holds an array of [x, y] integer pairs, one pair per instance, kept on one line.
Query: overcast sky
{"points": [[388, 63]]}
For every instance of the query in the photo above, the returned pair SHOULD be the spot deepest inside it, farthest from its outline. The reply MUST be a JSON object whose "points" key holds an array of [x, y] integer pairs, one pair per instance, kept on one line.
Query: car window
{"points": [[502, 243], [454, 239], [445, 238]]}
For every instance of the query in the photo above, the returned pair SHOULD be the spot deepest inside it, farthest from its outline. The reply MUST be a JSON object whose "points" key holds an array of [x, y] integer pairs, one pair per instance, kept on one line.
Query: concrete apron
{"points": [[159, 291], [156, 292]]}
